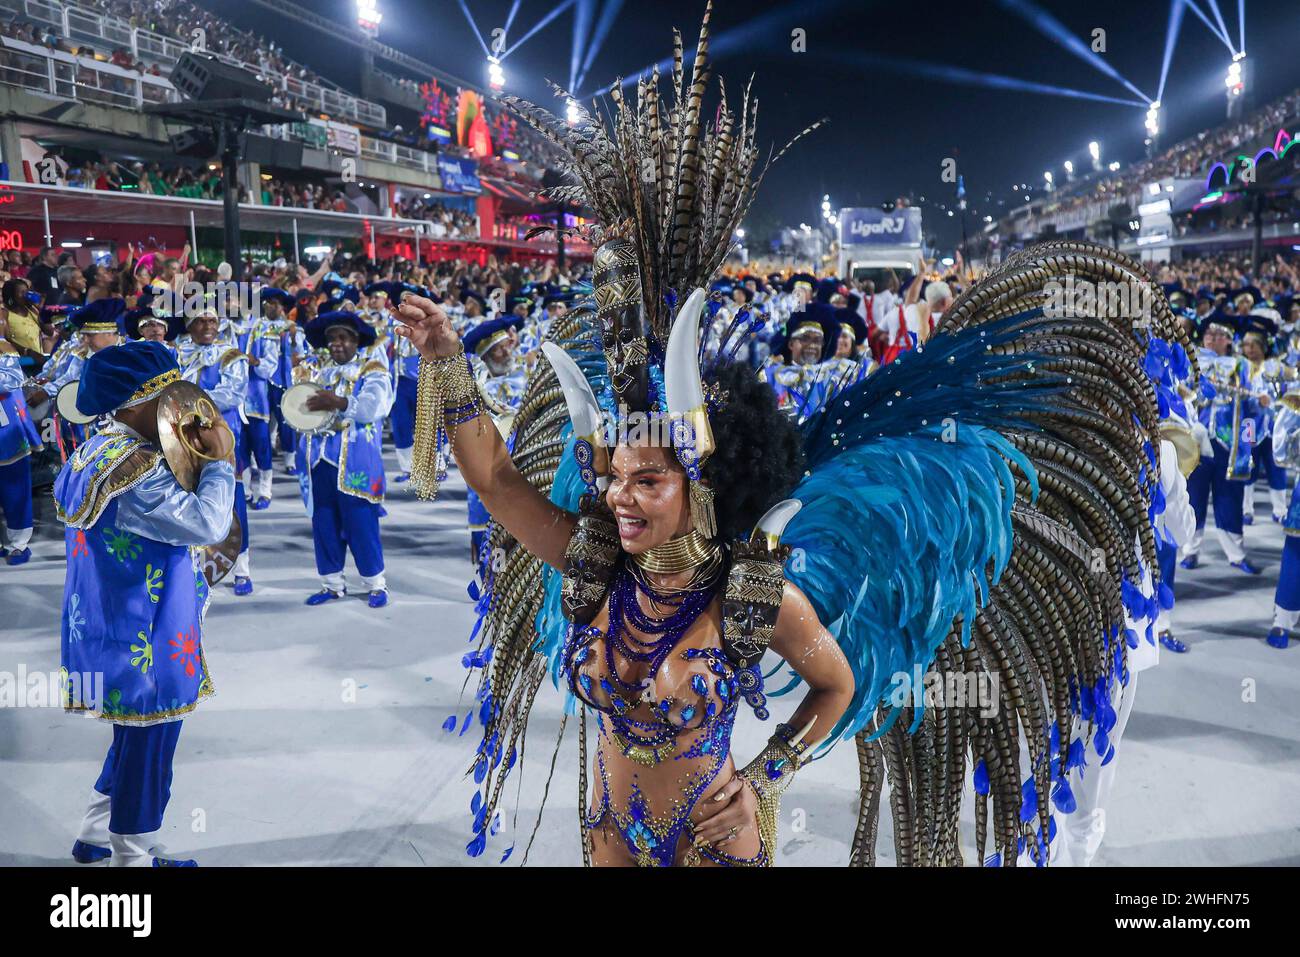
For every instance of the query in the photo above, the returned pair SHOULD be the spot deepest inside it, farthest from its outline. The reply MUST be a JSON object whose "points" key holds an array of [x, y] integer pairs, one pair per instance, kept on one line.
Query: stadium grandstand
{"points": [[1193, 199], [423, 166]]}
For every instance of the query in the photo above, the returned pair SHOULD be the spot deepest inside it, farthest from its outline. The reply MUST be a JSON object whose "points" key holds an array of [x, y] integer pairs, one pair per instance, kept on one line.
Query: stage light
{"points": [[1069, 168], [1047, 175], [1114, 167], [1235, 82], [740, 232], [496, 76], [572, 112], [1153, 119], [1094, 150], [368, 17]]}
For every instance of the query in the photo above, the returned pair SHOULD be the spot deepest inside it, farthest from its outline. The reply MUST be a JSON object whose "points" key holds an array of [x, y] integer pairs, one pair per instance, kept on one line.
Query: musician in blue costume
{"points": [[220, 369], [298, 311], [342, 471], [1225, 410], [262, 346], [501, 374], [143, 323], [19, 438], [134, 597], [804, 372], [374, 311], [97, 326], [1268, 380], [1286, 598], [928, 514], [405, 370], [1087, 786]]}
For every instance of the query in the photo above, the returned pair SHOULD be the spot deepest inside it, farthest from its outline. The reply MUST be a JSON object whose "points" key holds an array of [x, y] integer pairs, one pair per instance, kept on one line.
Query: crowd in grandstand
{"points": [[444, 221], [1189, 158]]}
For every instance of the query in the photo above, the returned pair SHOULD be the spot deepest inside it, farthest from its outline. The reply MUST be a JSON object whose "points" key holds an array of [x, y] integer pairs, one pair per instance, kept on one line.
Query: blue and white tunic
{"points": [[134, 595]]}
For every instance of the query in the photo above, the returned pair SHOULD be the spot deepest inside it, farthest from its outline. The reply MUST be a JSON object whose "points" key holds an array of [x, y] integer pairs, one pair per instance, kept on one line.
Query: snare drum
{"points": [[293, 406]]}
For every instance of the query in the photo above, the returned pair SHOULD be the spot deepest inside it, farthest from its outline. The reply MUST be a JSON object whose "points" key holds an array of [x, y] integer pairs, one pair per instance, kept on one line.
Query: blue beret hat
{"points": [[316, 329], [271, 293], [102, 315], [487, 334], [121, 375]]}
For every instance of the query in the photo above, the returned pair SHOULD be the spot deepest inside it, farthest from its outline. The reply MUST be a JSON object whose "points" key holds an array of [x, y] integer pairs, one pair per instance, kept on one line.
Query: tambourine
{"points": [[65, 403], [293, 407]]}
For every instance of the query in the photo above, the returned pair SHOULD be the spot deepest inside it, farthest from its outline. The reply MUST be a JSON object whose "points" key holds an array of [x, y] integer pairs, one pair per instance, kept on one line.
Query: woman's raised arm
{"points": [[540, 526]]}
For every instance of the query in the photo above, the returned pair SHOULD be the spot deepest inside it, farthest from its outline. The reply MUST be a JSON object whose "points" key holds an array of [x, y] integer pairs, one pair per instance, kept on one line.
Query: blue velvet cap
{"points": [[119, 375], [316, 329]]}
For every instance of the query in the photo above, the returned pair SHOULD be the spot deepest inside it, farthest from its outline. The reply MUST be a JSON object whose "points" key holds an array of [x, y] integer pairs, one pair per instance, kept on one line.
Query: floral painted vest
{"points": [[18, 434], [132, 607]]}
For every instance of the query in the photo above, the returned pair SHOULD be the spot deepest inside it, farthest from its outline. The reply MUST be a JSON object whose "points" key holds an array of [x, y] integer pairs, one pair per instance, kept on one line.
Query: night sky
{"points": [[890, 129]]}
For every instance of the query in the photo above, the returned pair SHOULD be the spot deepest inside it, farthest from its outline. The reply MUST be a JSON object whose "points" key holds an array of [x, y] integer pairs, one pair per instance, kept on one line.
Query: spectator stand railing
{"points": [[72, 77], [76, 22]]}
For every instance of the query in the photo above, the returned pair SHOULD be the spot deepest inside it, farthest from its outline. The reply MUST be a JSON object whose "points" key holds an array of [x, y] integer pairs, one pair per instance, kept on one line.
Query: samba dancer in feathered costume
{"points": [[969, 510]]}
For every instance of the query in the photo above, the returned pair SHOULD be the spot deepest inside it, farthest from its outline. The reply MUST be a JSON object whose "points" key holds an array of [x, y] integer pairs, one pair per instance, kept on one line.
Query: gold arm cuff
{"points": [[444, 383]]}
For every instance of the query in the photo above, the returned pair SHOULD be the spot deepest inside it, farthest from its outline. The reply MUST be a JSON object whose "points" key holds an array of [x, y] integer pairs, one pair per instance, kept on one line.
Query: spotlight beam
{"points": [[1191, 5], [1171, 39], [753, 34], [540, 24], [474, 26], [606, 23], [583, 14], [1241, 24], [510, 17], [1058, 33], [1223, 27], [946, 73]]}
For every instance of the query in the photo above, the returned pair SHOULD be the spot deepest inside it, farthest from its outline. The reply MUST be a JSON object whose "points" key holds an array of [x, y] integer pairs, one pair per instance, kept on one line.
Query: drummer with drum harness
{"points": [[222, 371], [339, 415]]}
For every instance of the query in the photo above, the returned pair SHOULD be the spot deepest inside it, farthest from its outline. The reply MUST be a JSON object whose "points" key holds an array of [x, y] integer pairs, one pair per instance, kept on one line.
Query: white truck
{"points": [[873, 241]]}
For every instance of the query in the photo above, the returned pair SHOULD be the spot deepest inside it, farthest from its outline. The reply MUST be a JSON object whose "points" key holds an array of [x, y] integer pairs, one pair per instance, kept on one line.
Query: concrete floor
{"points": [[284, 766]]}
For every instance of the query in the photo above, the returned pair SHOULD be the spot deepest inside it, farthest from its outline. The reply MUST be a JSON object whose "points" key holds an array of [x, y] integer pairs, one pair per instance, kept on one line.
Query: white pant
{"points": [[1285, 619], [18, 538], [404, 459], [335, 582], [1080, 833], [1232, 544], [1277, 499], [129, 850], [241, 566], [94, 826], [263, 484]]}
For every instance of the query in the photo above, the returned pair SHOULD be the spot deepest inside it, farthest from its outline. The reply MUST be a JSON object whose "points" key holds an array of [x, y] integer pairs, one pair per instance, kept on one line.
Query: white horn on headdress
{"points": [[584, 410], [774, 520], [684, 392]]}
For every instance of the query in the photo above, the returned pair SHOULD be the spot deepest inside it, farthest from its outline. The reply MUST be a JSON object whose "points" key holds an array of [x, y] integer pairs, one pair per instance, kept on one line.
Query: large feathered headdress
{"points": [[668, 189]]}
